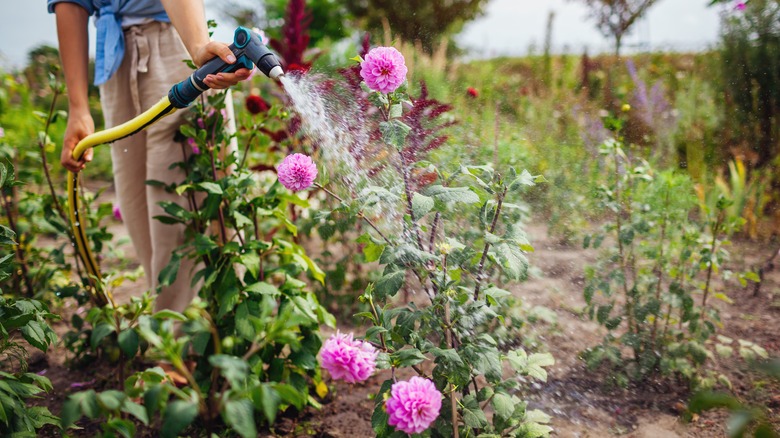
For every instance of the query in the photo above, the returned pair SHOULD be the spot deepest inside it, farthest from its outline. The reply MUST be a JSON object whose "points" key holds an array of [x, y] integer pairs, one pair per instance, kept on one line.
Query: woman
{"points": [[140, 53]]}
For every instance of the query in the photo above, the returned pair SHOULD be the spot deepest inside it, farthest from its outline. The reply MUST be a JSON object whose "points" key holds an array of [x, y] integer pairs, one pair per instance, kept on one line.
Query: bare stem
{"points": [[659, 267], [481, 268], [42, 146], [359, 214], [713, 248]]}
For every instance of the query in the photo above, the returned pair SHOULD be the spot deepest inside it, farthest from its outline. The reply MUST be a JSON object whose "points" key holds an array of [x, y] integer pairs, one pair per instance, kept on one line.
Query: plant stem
{"points": [[220, 213], [246, 149], [621, 251], [448, 335], [20, 255], [713, 247], [42, 147], [659, 267], [359, 214], [409, 208], [432, 239], [480, 269]]}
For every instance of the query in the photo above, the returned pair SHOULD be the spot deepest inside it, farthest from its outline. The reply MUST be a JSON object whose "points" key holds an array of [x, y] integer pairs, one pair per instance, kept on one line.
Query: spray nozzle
{"points": [[249, 51]]}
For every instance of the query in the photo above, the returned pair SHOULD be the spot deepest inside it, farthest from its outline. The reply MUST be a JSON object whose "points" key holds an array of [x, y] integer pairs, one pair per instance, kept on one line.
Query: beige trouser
{"points": [[152, 64]]}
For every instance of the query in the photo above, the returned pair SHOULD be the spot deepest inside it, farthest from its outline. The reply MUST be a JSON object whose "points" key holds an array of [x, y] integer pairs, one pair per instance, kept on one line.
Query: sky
{"points": [[509, 27]]}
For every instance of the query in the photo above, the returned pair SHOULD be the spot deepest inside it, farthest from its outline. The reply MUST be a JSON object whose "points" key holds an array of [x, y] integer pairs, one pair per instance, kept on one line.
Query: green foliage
{"points": [[463, 231], [34, 211], [659, 259], [253, 332], [28, 319], [751, 61]]}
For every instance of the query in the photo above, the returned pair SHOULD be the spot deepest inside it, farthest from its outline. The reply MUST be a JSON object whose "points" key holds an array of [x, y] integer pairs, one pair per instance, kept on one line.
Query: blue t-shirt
{"points": [[110, 44]]}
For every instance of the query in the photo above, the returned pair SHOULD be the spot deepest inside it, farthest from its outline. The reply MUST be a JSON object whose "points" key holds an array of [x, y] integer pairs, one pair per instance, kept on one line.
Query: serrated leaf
{"points": [[503, 405], [421, 205], [389, 284]]}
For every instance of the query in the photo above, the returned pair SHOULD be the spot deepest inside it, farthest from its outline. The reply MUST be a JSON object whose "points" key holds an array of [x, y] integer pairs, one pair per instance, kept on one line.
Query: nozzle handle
{"points": [[248, 50]]}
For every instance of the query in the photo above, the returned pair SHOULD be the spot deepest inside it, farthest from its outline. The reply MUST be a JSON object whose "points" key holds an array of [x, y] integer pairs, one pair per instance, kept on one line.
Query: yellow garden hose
{"points": [[162, 108]]}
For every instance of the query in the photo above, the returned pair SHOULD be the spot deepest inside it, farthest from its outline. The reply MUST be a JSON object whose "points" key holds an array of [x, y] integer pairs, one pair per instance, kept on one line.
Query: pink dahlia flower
{"points": [[414, 405], [117, 213], [348, 359], [297, 172], [383, 69]]}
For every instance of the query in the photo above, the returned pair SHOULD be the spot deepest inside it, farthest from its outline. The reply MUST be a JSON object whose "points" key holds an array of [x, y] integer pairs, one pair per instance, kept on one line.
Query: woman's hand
{"points": [[220, 80], [80, 125]]}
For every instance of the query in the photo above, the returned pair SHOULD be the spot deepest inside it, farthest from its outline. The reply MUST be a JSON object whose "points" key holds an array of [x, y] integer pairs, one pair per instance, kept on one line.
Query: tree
{"points": [[614, 18], [426, 21]]}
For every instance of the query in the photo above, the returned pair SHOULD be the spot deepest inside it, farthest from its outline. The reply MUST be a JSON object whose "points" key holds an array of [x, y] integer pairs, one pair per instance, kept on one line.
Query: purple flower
{"points": [[117, 213], [201, 123], [383, 69], [348, 359], [2, 132], [297, 172], [193, 146], [740, 6], [413, 405]]}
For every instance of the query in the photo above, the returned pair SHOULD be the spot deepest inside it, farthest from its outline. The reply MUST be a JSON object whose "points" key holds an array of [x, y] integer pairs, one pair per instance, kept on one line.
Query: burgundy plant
{"points": [[295, 37], [256, 104]]}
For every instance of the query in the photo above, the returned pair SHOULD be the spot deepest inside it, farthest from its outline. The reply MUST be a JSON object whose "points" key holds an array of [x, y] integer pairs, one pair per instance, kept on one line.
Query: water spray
{"points": [[249, 52]]}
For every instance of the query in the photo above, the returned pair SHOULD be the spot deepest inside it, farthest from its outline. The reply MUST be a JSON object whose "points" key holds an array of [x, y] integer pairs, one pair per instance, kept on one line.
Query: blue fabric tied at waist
{"points": [[110, 44]]}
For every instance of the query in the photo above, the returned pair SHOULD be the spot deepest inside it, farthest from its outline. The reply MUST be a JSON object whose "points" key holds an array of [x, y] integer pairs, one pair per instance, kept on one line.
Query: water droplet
{"points": [[125, 150]]}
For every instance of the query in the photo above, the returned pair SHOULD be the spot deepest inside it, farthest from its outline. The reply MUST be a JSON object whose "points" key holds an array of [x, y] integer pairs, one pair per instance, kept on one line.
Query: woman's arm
{"points": [[72, 21], [188, 18]]}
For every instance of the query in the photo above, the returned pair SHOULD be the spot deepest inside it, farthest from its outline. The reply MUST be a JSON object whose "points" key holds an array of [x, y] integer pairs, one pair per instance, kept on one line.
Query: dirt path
{"points": [[580, 402]]}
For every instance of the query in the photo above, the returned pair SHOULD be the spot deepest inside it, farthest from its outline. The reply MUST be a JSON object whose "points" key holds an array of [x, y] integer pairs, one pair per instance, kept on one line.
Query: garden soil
{"points": [[582, 404]]}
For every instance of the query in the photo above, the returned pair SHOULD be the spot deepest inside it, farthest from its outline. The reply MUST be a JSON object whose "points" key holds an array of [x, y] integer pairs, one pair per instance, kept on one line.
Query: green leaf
{"points": [[395, 111], [373, 251], [169, 314], [128, 342], [111, 399], [178, 416], [389, 284], [210, 187], [394, 132], [244, 326], [98, 333], [473, 416], [263, 288], [503, 405], [228, 299], [421, 205], [407, 357], [452, 194], [266, 399], [232, 368], [170, 271], [34, 332], [512, 260], [239, 414]]}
